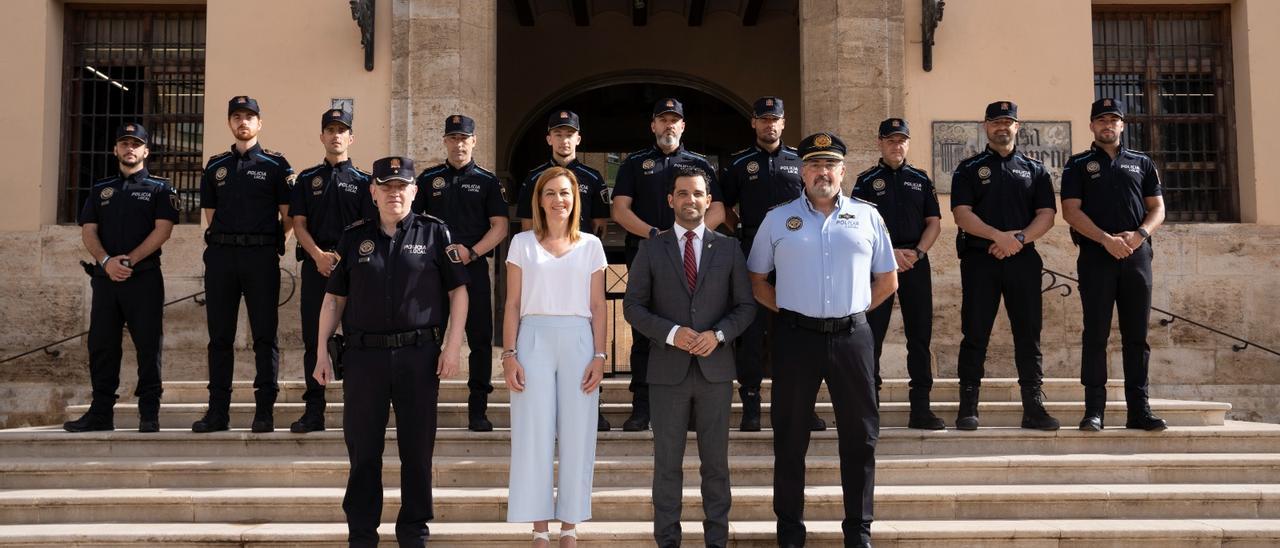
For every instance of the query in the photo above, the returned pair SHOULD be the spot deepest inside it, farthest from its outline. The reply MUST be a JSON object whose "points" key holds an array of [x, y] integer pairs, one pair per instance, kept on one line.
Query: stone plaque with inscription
{"points": [[1049, 142]]}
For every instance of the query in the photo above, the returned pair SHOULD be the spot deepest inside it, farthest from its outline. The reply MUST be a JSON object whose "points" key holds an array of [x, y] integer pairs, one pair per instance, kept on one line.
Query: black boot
{"points": [[922, 418], [98, 418], [750, 409], [264, 419], [149, 414], [967, 416], [212, 421], [602, 424], [1140, 415], [1095, 405], [1033, 414], [477, 405], [639, 419], [818, 424], [312, 420]]}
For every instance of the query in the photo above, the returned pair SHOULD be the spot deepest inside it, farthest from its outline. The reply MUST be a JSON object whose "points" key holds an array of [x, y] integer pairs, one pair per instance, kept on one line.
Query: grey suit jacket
{"points": [[658, 298]]}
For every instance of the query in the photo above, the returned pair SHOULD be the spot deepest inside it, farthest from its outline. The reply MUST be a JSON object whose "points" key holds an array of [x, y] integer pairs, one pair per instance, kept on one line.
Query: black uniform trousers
{"points": [[312, 296], [1125, 284], [139, 303], [984, 279], [915, 300], [479, 327], [373, 380], [639, 356], [229, 273], [750, 347], [846, 360]]}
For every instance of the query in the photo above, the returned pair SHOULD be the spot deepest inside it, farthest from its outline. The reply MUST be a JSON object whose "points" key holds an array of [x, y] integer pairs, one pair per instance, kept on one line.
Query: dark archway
{"points": [[615, 111]]}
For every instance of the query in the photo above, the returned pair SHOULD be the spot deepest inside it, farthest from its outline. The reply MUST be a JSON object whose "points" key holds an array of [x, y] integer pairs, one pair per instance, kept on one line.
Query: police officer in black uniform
{"points": [[906, 199], [125, 220], [333, 194], [640, 206], [564, 134], [396, 280], [471, 200], [245, 196], [1003, 202], [756, 179], [1112, 198], [834, 261]]}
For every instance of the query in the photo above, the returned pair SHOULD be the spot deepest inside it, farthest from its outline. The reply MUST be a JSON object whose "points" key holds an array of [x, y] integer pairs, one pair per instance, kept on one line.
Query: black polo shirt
{"points": [[126, 210], [464, 198], [331, 197], [755, 180], [644, 176], [1005, 192], [905, 197], [395, 283], [592, 193], [1111, 192], [246, 191]]}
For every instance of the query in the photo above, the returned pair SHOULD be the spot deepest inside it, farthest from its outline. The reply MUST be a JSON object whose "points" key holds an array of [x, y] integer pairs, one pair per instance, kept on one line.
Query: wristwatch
{"points": [[603, 356], [1022, 238], [653, 232], [919, 253], [720, 337], [1143, 232], [472, 252]]}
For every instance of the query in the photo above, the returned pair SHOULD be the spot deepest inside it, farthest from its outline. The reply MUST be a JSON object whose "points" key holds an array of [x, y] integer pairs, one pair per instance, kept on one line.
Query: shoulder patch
{"points": [[359, 223], [272, 153], [919, 171], [740, 152], [867, 172], [695, 154], [218, 156], [486, 172], [304, 173]]}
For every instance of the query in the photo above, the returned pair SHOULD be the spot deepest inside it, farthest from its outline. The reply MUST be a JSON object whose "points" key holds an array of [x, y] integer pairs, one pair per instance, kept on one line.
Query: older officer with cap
{"points": [[834, 261], [905, 197], [564, 134], [640, 206], [125, 220], [756, 179], [333, 194], [1112, 198], [396, 279], [245, 196], [470, 199], [1003, 202]]}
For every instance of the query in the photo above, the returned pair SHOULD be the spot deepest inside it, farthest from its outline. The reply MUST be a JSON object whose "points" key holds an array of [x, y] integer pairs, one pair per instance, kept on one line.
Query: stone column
{"points": [[851, 70], [444, 60]]}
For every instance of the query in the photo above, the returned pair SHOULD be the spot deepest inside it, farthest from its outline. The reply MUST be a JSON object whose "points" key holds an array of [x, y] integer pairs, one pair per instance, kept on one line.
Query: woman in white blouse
{"points": [[553, 338]]}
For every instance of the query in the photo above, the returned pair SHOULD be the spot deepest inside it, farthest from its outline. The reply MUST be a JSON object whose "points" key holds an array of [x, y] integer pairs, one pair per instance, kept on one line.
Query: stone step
{"points": [[615, 391], [177, 472], [454, 415], [1233, 436], [943, 502], [1138, 533]]}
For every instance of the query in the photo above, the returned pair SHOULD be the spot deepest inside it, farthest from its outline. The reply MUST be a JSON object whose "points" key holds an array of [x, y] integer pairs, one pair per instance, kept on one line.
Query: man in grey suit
{"points": [[688, 292]]}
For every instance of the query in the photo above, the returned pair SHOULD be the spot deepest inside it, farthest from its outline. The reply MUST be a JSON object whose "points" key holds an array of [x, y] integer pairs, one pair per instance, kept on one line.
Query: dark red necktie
{"points": [[690, 263]]}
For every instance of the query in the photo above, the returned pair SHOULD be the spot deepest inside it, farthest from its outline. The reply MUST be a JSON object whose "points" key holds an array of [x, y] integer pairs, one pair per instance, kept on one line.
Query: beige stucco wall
{"points": [[31, 111], [293, 56]]}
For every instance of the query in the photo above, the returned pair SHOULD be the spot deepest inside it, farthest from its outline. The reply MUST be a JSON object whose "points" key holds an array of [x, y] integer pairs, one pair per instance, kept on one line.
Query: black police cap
{"points": [[393, 168], [243, 102], [563, 118], [337, 115], [459, 123], [133, 131], [894, 125], [821, 145], [669, 104], [767, 106], [1106, 105], [1002, 109]]}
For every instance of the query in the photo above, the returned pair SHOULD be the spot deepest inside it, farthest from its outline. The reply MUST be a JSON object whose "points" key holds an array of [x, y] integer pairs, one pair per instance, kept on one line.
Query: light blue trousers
{"points": [[555, 352]]}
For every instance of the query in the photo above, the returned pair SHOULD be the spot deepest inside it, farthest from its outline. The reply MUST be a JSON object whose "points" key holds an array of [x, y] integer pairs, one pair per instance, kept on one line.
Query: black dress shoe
{"points": [[602, 424], [818, 424], [89, 423], [263, 425], [1148, 422], [306, 424], [148, 426], [209, 423], [479, 423], [967, 423], [1091, 423], [750, 424], [925, 420], [638, 422]]}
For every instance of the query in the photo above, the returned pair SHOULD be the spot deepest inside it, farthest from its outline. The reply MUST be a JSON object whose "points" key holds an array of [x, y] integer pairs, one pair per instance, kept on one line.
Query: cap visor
{"points": [[467, 133], [769, 115], [131, 137], [669, 111], [1014, 118], [1101, 114], [385, 180], [823, 155], [566, 124], [896, 132]]}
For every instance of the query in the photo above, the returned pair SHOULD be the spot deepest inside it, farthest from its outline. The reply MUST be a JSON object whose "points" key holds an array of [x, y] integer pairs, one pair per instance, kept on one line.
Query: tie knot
{"points": [[690, 235]]}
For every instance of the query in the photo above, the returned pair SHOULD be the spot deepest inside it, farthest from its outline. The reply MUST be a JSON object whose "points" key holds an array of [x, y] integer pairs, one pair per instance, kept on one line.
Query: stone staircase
{"points": [[1205, 481]]}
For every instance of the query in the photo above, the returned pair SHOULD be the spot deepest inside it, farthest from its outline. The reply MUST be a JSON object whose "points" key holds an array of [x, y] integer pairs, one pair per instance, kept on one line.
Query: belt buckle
{"points": [[828, 325]]}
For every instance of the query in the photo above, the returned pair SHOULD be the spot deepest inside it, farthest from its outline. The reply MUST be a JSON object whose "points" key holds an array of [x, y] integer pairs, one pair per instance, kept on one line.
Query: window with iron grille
{"points": [[137, 64], [1171, 65]]}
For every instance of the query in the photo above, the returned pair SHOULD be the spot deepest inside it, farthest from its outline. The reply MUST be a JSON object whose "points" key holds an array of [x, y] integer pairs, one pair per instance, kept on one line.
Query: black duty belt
{"points": [[417, 337], [240, 240], [822, 325]]}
